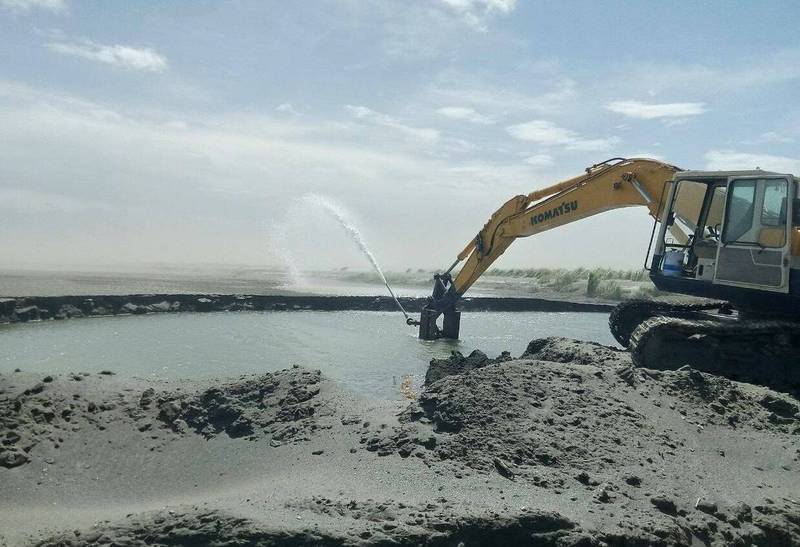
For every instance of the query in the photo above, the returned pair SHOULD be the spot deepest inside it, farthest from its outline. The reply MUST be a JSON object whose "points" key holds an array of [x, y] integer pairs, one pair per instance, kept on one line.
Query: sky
{"points": [[188, 132]]}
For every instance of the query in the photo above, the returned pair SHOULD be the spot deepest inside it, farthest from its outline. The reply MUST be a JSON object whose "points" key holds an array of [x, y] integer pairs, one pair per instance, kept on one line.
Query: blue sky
{"points": [[135, 132]]}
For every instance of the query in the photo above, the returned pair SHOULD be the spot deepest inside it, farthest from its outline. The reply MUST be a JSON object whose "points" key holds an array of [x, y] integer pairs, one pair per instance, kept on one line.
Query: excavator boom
{"points": [[613, 184]]}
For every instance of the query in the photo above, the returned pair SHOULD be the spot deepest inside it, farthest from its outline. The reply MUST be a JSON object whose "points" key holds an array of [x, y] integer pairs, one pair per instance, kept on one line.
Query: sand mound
{"points": [[193, 527], [553, 349], [45, 411], [367, 522], [564, 350], [282, 407]]}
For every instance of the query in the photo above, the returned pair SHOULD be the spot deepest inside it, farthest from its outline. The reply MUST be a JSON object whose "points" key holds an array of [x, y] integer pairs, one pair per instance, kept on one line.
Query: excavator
{"points": [[731, 239]]}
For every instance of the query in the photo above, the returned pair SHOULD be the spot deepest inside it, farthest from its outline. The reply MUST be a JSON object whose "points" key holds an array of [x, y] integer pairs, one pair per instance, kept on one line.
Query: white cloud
{"points": [[25, 6], [413, 31], [384, 120], [770, 137], [464, 113], [499, 101], [755, 71], [480, 176], [547, 133], [726, 160], [499, 6], [475, 12], [540, 160], [593, 145], [118, 55], [541, 132], [650, 111], [287, 108], [419, 29], [458, 146]]}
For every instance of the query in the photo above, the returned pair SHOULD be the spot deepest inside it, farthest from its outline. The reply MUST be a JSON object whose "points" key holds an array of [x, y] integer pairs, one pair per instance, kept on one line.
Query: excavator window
{"points": [[713, 218], [686, 208], [686, 226], [773, 210], [796, 212], [743, 225], [740, 211], [704, 251]]}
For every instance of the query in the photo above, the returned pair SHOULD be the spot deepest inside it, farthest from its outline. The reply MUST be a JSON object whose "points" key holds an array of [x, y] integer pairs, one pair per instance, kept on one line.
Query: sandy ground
{"points": [[564, 446]]}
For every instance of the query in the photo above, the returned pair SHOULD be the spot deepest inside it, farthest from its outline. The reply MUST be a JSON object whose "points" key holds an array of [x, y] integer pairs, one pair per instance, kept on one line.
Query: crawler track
{"points": [[762, 352], [628, 315]]}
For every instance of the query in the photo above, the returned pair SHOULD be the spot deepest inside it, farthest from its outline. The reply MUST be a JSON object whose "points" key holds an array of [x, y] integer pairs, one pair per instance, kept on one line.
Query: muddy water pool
{"points": [[369, 352]]}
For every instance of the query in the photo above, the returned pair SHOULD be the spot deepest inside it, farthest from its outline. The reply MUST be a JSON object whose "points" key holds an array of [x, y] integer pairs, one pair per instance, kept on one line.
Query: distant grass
{"points": [[611, 290], [547, 275], [409, 277], [647, 293], [606, 283]]}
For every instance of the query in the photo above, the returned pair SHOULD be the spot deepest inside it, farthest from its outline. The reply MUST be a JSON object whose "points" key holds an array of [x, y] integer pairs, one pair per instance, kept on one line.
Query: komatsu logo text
{"points": [[563, 209]]}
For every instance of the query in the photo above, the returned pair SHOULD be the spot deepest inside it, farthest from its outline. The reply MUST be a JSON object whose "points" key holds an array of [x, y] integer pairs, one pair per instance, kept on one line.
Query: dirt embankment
{"points": [[35, 308], [565, 446]]}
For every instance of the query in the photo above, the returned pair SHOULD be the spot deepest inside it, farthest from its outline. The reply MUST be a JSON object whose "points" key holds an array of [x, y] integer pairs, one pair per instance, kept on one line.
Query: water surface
{"points": [[367, 351]]}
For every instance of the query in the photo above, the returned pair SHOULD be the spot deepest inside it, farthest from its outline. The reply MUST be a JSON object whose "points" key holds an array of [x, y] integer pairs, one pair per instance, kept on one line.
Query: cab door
{"points": [[755, 244]]}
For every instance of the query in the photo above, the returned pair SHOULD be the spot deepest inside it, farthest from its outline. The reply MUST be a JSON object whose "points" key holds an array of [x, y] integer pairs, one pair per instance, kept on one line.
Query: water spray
{"points": [[341, 216]]}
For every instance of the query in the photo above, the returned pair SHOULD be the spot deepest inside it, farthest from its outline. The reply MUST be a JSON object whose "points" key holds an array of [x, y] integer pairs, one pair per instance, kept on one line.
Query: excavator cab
{"points": [[728, 236]]}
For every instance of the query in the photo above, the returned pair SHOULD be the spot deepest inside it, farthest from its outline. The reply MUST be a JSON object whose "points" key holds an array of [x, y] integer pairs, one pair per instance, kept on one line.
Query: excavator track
{"points": [[761, 352], [628, 315]]}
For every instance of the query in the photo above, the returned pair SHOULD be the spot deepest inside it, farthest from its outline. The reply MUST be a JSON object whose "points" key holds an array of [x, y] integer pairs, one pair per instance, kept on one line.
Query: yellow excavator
{"points": [[731, 238]]}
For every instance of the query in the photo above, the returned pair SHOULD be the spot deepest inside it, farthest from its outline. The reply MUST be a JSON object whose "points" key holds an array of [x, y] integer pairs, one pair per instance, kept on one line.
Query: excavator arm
{"points": [[613, 184]]}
